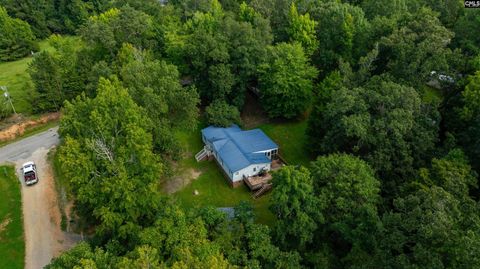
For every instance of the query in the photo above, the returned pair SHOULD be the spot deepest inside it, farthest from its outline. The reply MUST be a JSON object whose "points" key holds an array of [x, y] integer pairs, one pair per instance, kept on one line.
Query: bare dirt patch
{"points": [[17, 125], [252, 112], [4, 223], [179, 182]]}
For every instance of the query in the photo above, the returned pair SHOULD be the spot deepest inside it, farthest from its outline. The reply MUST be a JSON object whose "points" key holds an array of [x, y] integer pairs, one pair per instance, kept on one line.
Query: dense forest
{"points": [[391, 90]]}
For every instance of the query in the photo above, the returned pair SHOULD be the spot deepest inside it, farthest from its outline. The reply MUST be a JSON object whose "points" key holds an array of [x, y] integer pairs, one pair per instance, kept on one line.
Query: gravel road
{"points": [[24, 148], [44, 239]]}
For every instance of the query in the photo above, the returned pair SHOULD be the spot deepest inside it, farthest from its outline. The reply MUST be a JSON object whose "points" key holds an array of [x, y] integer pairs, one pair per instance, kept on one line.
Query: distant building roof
{"points": [[229, 211], [239, 149]]}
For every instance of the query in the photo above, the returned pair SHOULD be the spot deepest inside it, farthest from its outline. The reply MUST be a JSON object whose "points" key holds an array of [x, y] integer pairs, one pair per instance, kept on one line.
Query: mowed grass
{"points": [[14, 75], [292, 140], [12, 246], [213, 187]]}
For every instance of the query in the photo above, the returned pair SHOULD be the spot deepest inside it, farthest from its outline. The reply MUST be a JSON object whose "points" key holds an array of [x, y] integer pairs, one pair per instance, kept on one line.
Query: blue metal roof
{"points": [[239, 149]]}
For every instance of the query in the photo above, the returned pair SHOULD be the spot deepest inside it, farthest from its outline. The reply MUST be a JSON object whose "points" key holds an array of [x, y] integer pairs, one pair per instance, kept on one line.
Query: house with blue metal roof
{"points": [[239, 153]]}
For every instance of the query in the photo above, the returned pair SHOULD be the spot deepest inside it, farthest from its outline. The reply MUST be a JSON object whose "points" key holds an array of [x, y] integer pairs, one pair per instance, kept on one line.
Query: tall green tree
{"points": [[383, 122], [105, 33], [425, 230], [295, 207], [286, 81], [220, 52], [107, 158], [465, 28], [350, 194], [302, 29], [348, 186], [416, 47], [45, 73], [465, 119], [341, 30], [16, 39], [56, 75], [219, 113], [33, 12], [155, 86]]}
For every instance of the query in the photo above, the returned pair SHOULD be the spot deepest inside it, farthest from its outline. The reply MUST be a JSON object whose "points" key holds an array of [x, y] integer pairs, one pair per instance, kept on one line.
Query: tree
{"points": [[464, 29], [295, 207], [349, 192], [340, 30], [302, 30], [56, 74], [463, 119], [32, 12], [453, 173], [220, 52], [108, 160], [418, 46], [155, 86], [45, 73], [248, 38], [82, 255], [16, 40], [471, 97], [286, 81], [384, 123], [219, 113], [385, 8], [106, 33], [324, 92], [425, 231]]}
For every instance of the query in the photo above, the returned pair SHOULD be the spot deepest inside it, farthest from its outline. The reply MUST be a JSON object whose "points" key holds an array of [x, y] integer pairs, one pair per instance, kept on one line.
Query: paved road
{"points": [[24, 148], [44, 239]]}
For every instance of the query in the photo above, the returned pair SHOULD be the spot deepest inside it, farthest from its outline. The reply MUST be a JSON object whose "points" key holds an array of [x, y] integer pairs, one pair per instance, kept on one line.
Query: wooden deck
{"points": [[256, 182], [260, 185], [277, 164]]}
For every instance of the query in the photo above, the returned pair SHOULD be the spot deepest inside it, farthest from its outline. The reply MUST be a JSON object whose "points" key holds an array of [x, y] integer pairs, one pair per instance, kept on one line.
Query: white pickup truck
{"points": [[30, 173]]}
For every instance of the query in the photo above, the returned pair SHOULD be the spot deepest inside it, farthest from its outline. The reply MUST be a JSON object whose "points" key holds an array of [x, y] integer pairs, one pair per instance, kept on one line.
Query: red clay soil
{"points": [[20, 125]]}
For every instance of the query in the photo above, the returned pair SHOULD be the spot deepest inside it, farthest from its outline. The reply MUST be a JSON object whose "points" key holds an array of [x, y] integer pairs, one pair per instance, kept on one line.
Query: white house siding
{"points": [[248, 171]]}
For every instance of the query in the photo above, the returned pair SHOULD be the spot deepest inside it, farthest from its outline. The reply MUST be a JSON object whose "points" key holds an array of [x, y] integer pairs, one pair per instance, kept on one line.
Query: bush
{"points": [[219, 113], [16, 40]]}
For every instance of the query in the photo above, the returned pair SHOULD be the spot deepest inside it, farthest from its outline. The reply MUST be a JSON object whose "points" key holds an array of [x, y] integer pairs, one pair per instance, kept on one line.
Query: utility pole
{"points": [[7, 95]]}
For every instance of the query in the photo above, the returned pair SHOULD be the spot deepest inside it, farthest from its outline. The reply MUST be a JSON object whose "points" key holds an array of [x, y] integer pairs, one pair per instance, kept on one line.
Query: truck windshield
{"points": [[29, 175]]}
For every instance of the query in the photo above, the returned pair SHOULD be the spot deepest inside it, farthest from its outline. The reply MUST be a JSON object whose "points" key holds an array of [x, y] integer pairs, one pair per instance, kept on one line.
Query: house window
{"points": [[236, 173], [254, 169]]}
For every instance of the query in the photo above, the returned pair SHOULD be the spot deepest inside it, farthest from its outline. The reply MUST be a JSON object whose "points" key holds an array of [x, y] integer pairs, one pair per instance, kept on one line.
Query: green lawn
{"points": [[12, 246], [14, 75], [290, 137], [215, 191], [213, 187]]}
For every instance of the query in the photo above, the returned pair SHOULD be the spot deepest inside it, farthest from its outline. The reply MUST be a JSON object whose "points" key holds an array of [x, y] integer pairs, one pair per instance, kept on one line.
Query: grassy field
{"points": [[290, 137], [12, 246], [211, 184], [14, 75]]}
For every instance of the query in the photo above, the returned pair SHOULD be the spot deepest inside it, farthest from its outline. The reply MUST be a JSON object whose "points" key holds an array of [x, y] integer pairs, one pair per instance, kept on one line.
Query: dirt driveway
{"points": [[44, 239], [41, 216]]}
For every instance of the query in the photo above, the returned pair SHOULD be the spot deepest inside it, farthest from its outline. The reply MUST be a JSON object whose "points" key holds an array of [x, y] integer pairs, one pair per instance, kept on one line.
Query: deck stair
{"points": [[256, 182], [265, 188], [202, 154]]}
